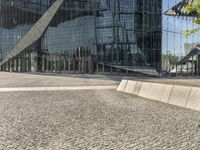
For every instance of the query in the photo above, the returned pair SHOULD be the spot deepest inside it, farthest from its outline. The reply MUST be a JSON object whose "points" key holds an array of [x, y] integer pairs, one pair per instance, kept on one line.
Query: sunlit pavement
{"points": [[92, 118]]}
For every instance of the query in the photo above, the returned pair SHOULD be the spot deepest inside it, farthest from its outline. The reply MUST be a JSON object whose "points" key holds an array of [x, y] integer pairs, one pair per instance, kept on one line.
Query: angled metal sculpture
{"points": [[35, 32], [195, 51], [180, 9]]}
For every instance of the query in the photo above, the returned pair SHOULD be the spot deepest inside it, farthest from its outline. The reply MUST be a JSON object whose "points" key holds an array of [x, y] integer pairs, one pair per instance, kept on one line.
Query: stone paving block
{"points": [[180, 95], [122, 86], [156, 91], [144, 90], [130, 87], [167, 93], [194, 99], [76, 115]]}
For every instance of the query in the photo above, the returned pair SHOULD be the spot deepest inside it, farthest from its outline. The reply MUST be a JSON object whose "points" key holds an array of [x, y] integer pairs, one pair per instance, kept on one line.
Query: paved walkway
{"points": [[177, 81], [54, 80], [60, 88], [96, 119]]}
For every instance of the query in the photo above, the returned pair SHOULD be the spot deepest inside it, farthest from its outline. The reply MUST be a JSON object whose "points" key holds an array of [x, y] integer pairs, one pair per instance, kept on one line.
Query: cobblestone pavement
{"points": [[89, 119], [34, 80], [94, 119], [52, 79]]}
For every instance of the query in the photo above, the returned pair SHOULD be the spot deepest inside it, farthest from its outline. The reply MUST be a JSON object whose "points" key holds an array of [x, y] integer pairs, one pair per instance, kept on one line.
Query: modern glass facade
{"points": [[125, 33]]}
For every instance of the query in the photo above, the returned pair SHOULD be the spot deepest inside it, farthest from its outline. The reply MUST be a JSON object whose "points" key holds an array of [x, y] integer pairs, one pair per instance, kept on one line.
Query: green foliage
{"points": [[171, 58], [193, 8], [190, 32], [139, 58]]}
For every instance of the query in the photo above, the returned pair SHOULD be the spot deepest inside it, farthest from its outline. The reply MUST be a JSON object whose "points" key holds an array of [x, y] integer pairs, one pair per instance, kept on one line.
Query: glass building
{"points": [[80, 35]]}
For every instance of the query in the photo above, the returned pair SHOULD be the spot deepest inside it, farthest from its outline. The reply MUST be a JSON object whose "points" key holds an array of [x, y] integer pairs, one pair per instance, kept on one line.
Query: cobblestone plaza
{"points": [[100, 119]]}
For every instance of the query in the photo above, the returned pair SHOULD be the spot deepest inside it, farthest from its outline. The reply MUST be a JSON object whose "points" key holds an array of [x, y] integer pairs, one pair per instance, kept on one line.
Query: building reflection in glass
{"points": [[116, 32]]}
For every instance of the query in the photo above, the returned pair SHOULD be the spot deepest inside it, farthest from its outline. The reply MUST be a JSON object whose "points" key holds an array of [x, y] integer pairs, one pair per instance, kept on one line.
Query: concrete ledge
{"points": [[156, 91], [144, 90], [194, 99], [180, 95], [167, 93], [183, 96], [137, 88], [130, 87], [60, 88], [122, 86]]}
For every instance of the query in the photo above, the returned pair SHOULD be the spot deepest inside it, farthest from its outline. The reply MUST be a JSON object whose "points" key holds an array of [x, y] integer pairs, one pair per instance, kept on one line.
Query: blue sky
{"points": [[174, 42], [169, 3]]}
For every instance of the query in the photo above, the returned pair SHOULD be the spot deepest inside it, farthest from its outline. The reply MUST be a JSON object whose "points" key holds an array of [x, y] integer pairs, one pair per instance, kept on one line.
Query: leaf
{"points": [[190, 32], [193, 8]]}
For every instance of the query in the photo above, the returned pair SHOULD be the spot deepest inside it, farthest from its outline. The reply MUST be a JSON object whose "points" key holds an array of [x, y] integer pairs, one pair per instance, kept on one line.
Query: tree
{"points": [[168, 57], [193, 8], [139, 58]]}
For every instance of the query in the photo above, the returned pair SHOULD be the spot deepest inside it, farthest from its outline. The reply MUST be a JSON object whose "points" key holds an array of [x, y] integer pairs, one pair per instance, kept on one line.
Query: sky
{"points": [[173, 29]]}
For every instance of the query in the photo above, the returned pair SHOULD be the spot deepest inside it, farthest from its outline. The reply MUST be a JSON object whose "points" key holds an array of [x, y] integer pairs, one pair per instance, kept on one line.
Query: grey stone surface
{"points": [[100, 119], [92, 119], [42, 80]]}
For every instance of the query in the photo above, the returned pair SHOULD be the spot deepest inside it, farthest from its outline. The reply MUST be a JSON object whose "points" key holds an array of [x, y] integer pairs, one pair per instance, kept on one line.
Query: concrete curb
{"points": [[122, 86], [179, 96], [194, 99], [130, 87], [167, 93], [137, 88], [183, 96], [144, 90], [156, 91]]}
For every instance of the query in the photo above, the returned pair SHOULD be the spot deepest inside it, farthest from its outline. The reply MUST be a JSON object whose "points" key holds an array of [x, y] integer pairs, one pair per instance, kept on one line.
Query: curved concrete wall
{"points": [[194, 99], [180, 95], [183, 96], [145, 89], [130, 87], [156, 91], [122, 86]]}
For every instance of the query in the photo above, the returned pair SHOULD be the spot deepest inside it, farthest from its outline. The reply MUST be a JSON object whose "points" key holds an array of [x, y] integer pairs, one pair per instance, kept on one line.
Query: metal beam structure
{"points": [[189, 64], [180, 9], [35, 32], [193, 52]]}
